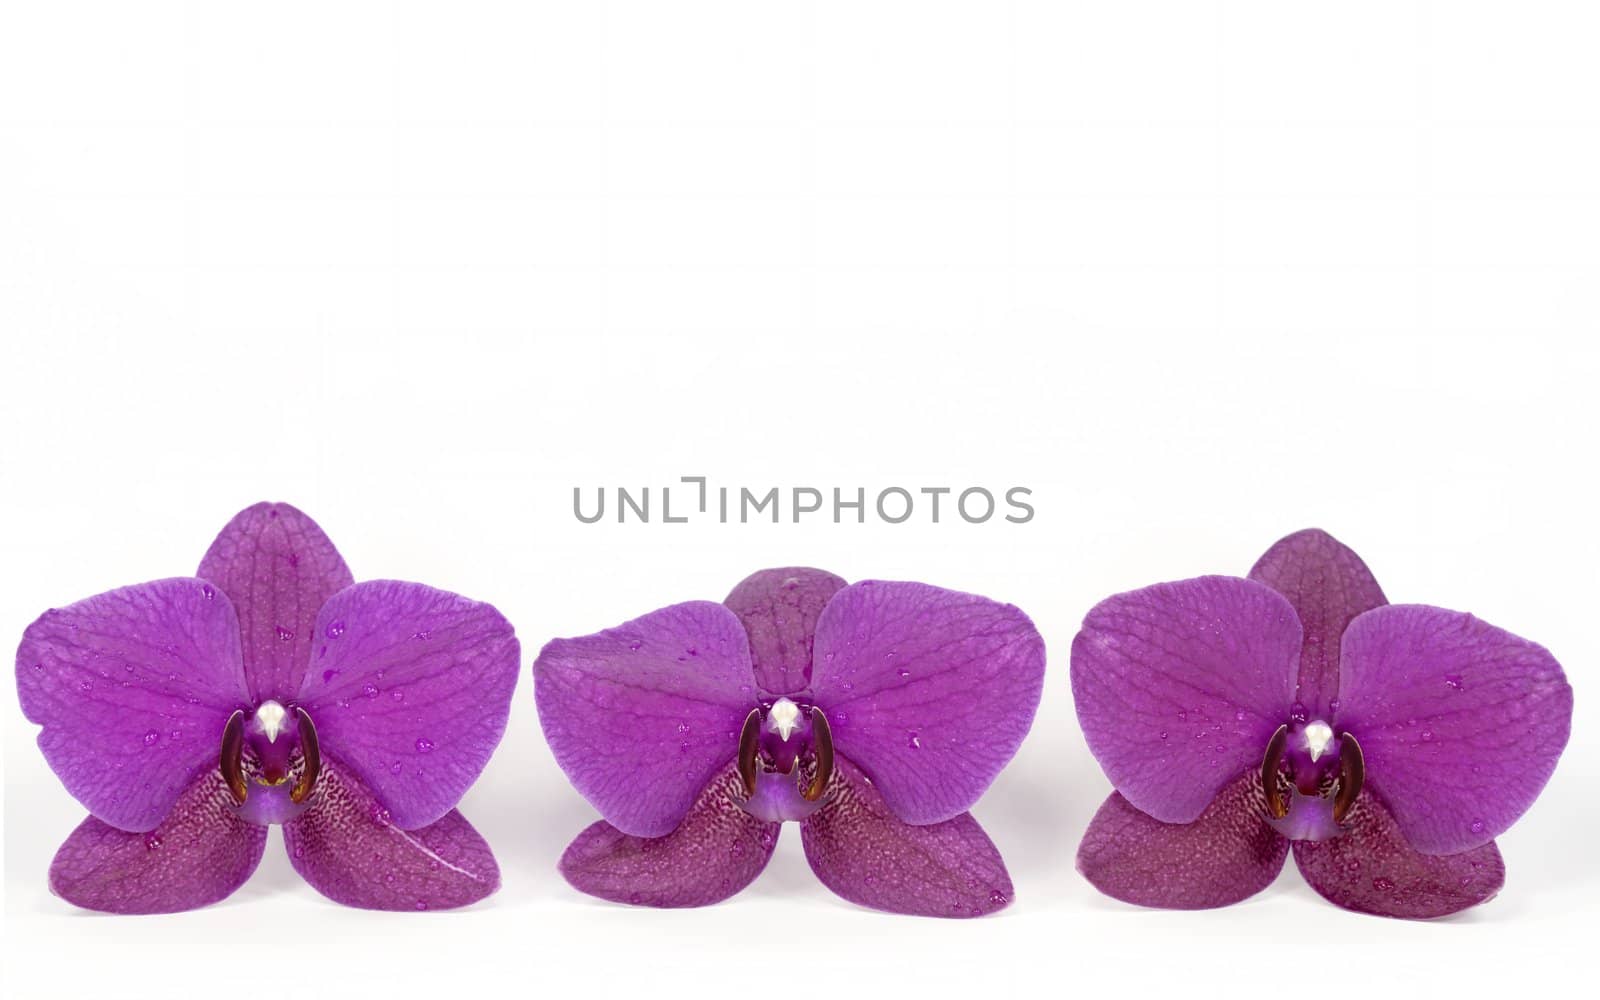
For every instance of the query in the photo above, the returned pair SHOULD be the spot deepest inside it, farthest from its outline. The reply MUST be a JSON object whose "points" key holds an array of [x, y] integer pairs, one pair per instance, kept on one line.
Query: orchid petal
{"points": [[779, 608], [1329, 586], [641, 716], [411, 687], [862, 851], [1179, 687], [133, 688], [349, 848], [715, 852], [929, 691], [1461, 723], [1226, 855], [1373, 869], [277, 567], [198, 854]]}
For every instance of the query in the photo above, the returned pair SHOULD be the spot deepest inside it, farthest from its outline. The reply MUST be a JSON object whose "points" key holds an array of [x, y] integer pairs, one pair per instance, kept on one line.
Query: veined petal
{"points": [[1328, 585], [779, 609], [277, 567], [1373, 870], [1180, 686], [1226, 855], [350, 850], [198, 854], [411, 687], [863, 852], [715, 852], [133, 688], [1461, 723], [641, 716], [929, 691]]}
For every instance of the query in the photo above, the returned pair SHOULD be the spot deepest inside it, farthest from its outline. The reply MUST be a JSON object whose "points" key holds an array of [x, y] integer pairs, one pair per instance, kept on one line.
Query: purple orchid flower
{"points": [[874, 714], [1389, 744], [188, 714]]}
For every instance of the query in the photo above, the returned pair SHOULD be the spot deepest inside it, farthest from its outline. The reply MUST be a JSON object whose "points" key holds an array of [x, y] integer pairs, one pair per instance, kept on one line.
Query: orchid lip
{"points": [[1311, 777], [785, 760], [260, 751]]}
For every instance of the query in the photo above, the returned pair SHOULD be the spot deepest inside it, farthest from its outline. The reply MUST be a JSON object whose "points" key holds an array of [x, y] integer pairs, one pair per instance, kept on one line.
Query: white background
{"points": [[1198, 273]]}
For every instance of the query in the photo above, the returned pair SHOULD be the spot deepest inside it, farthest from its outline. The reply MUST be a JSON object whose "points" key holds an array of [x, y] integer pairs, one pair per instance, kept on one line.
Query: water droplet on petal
{"points": [[335, 629], [424, 745], [152, 841], [1452, 681], [151, 737], [1477, 826], [1382, 884], [394, 768], [370, 690], [913, 741], [284, 635], [208, 591]]}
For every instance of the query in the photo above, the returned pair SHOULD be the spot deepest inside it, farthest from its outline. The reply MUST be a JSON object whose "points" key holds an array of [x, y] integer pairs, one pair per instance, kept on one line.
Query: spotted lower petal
{"points": [[1372, 869], [1227, 854], [862, 851], [198, 854], [348, 847], [715, 852], [133, 688]]}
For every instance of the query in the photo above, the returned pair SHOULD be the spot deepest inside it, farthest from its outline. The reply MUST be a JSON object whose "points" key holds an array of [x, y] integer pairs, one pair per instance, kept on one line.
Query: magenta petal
{"points": [[1228, 854], [642, 715], [1461, 723], [715, 852], [929, 691], [1372, 869], [862, 851], [133, 688], [277, 567], [1328, 585], [779, 608], [350, 850], [411, 687], [200, 853], [1179, 687]]}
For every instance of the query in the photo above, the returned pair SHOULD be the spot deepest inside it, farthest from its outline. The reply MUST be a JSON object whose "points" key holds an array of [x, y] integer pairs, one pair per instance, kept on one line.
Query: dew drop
{"points": [[1383, 884], [997, 897], [424, 745], [1163, 734], [1452, 681], [1427, 736], [1298, 713], [422, 634], [683, 727], [370, 690], [284, 635], [151, 737], [422, 904], [335, 629], [394, 768], [208, 591], [397, 695], [1477, 826], [1240, 715], [903, 672], [152, 841], [913, 741], [635, 645]]}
